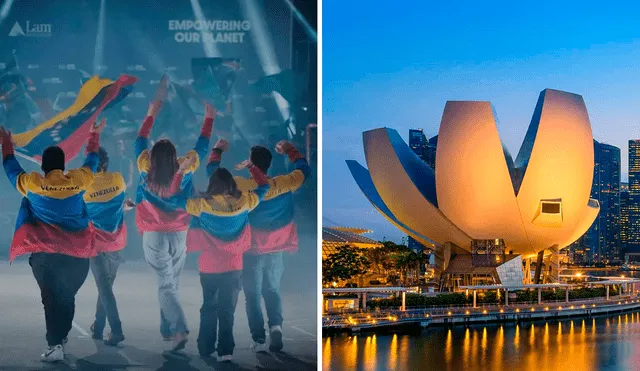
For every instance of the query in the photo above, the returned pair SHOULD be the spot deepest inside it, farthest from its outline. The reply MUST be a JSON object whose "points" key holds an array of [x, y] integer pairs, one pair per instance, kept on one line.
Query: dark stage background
{"points": [[56, 43]]}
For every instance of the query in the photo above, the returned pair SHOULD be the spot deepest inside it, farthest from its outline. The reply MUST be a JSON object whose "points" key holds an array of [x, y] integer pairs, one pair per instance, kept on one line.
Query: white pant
{"points": [[166, 253]]}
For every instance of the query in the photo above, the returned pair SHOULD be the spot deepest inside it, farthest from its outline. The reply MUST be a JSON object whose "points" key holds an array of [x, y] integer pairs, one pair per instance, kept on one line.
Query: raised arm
{"points": [[199, 152], [216, 156], [93, 146], [85, 175], [258, 194], [202, 145], [142, 142], [18, 178], [300, 173]]}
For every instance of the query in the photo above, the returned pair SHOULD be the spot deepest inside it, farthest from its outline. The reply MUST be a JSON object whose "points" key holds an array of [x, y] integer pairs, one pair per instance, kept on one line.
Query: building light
{"points": [[466, 312], [518, 310]]}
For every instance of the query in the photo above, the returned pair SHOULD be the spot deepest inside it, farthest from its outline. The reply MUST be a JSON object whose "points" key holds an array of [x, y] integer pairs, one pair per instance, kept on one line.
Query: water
{"points": [[589, 344], [604, 343]]}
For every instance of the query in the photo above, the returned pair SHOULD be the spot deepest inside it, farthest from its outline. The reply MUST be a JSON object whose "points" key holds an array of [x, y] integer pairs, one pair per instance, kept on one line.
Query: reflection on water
{"points": [[605, 343]]}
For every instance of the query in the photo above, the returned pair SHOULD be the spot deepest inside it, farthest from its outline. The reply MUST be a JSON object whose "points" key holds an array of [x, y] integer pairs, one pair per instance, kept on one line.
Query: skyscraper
{"points": [[426, 150], [633, 206], [417, 141], [601, 243], [624, 216]]}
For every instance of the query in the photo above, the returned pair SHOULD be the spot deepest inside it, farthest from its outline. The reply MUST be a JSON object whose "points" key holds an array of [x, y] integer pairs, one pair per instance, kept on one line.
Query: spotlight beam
{"points": [[266, 53], [313, 35], [210, 49], [5, 9], [98, 57]]}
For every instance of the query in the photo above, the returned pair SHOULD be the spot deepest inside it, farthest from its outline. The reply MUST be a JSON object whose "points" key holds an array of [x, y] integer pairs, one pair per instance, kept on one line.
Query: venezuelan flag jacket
{"points": [[272, 226], [166, 213], [105, 205], [53, 217], [220, 227]]}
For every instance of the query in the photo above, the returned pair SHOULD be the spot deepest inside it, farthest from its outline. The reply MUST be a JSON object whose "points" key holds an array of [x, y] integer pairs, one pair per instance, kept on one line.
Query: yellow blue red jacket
{"points": [[272, 225], [166, 213], [105, 205], [220, 229], [53, 217]]}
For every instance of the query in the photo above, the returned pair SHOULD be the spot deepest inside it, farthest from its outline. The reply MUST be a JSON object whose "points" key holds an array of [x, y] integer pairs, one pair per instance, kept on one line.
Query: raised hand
{"points": [[210, 112], [243, 165], [187, 162], [222, 145], [283, 147], [129, 205], [154, 108], [97, 129]]}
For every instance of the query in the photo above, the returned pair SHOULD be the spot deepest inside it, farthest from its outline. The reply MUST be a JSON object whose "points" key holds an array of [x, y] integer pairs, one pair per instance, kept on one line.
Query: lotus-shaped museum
{"points": [[538, 202]]}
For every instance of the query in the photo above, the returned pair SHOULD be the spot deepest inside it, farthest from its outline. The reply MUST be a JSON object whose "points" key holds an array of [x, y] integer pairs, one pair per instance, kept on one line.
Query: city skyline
{"points": [[408, 88]]}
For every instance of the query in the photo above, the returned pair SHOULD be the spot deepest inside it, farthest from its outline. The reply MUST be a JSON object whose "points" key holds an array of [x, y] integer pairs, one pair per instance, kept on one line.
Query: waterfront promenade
{"points": [[463, 315]]}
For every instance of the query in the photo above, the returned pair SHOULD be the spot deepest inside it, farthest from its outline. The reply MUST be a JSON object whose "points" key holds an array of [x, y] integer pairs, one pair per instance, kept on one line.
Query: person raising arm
{"points": [[273, 233], [220, 231], [54, 227], [162, 219]]}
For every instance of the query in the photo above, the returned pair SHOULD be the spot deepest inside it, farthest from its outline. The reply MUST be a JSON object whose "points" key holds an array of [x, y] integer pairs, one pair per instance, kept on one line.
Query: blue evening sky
{"points": [[396, 63]]}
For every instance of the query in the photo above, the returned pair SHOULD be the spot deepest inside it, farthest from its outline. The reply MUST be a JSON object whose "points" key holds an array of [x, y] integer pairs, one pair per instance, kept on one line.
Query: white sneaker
{"points": [[258, 347], [225, 358], [275, 339], [53, 354]]}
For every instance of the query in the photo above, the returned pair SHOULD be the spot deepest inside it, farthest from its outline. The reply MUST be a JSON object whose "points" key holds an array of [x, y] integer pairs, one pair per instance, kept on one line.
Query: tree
{"points": [[379, 259], [344, 264]]}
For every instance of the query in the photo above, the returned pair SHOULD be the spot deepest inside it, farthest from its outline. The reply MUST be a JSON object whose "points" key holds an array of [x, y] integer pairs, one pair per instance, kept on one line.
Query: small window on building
{"points": [[550, 208]]}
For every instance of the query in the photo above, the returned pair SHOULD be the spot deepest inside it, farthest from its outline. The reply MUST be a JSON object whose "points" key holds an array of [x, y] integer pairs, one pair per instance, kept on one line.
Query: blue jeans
{"points": [[166, 253], [104, 268], [220, 296], [261, 276]]}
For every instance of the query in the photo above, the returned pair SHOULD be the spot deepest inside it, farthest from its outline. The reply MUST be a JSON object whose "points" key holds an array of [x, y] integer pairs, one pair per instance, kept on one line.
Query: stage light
{"points": [[98, 56], [305, 25], [265, 50], [6, 8]]}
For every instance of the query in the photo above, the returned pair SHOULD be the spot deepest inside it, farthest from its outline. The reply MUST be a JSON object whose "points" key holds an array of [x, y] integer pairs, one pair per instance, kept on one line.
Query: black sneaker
{"points": [[114, 339], [95, 335]]}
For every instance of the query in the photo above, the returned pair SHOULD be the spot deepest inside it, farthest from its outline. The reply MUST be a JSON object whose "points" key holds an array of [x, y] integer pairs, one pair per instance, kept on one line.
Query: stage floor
{"points": [[22, 326]]}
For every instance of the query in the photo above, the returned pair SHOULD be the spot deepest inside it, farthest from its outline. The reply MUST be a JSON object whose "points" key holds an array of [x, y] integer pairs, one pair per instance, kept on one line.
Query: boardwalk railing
{"points": [[393, 316]]}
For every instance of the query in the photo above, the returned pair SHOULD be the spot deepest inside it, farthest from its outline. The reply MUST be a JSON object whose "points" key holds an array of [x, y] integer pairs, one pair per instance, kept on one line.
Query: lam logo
{"points": [[31, 30]]}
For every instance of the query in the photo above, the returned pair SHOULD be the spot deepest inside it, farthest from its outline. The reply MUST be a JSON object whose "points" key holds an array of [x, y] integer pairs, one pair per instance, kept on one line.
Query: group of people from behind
{"points": [[72, 222]]}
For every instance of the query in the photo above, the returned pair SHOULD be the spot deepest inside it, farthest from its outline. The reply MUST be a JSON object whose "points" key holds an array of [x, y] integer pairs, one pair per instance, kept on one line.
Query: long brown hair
{"points": [[221, 182], [164, 165]]}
